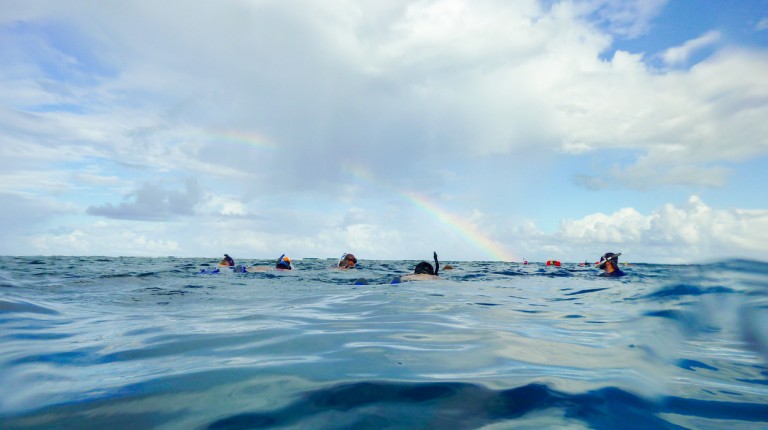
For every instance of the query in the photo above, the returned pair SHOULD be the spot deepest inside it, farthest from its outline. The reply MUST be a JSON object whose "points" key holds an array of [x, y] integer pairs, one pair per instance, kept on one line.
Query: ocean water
{"points": [[150, 343]]}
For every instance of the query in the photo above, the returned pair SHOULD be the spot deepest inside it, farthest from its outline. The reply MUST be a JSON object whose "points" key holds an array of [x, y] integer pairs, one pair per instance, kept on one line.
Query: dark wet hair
{"points": [[424, 268]]}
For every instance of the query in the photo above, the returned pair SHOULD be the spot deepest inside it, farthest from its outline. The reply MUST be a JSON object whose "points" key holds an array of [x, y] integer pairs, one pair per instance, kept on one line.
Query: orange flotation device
{"points": [[553, 263]]}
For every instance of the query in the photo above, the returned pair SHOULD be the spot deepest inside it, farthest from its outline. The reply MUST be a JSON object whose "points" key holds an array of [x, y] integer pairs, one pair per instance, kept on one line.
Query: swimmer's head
{"points": [[608, 257], [347, 261], [283, 263], [424, 268]]}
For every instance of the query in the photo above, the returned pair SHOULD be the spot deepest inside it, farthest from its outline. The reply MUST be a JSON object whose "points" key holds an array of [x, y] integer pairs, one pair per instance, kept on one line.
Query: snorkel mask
{"points": [[609, 256], [283, 263], [347, 260]]}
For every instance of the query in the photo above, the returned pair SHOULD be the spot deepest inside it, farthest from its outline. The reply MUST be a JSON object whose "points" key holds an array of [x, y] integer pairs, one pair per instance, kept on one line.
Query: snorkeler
{"points": [[609, 263], [347, 261], [422, 271], [283, 263], [227, 261]]}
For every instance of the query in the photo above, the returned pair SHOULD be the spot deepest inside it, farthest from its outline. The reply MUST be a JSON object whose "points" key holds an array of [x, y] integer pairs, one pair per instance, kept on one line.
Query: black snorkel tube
{"points": [[437, 264]]}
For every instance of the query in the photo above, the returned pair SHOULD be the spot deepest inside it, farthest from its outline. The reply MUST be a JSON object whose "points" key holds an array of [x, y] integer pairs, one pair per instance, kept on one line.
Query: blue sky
{"points": [[483, 130]]}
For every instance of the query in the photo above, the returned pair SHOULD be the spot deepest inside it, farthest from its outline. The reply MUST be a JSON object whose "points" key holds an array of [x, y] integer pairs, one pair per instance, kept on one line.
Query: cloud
{"points": [[693, 232], [681, 54], [672, 124], [152, 202], [389, 86], [627, 19], [107, 239]]}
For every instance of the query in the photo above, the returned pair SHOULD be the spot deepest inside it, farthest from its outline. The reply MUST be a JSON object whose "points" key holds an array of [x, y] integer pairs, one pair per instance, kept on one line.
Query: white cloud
{"points": [[682, 125], [233, 208], [405, 78], [681, 54], [693, 232], [73, 242], [100, 239], [623, 226]]}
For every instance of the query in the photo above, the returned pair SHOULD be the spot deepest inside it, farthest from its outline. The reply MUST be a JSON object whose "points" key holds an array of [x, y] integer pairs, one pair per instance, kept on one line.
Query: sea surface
{"points": [[151, 343]]}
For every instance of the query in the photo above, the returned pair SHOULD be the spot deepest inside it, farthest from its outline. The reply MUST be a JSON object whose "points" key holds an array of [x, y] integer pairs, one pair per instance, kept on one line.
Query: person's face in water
{"points": [[348, 262], [609, 262]]}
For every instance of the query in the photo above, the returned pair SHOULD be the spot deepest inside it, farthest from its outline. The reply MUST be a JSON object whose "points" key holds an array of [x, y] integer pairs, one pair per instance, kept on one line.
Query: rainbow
{"points": [[463, 227]]}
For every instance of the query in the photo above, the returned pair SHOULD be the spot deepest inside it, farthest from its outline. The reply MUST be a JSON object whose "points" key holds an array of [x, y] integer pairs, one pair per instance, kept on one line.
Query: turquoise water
{"points": [[151, 343]]}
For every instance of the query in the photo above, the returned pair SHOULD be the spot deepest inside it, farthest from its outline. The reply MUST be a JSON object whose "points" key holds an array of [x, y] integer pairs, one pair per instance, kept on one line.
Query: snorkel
{"points": [[437, 264], [605, 259], [283, 263]]}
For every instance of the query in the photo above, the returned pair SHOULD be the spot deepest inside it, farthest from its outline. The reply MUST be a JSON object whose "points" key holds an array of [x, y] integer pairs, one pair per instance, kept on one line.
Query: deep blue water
{"points": [[92, 342]]}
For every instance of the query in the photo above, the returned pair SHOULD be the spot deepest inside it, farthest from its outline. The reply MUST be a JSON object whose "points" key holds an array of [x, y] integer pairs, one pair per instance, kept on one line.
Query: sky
{"points": [[479, 129]]}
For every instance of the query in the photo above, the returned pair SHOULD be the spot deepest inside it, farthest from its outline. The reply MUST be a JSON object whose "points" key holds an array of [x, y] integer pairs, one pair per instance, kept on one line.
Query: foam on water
{"points": [[152, 343]]}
